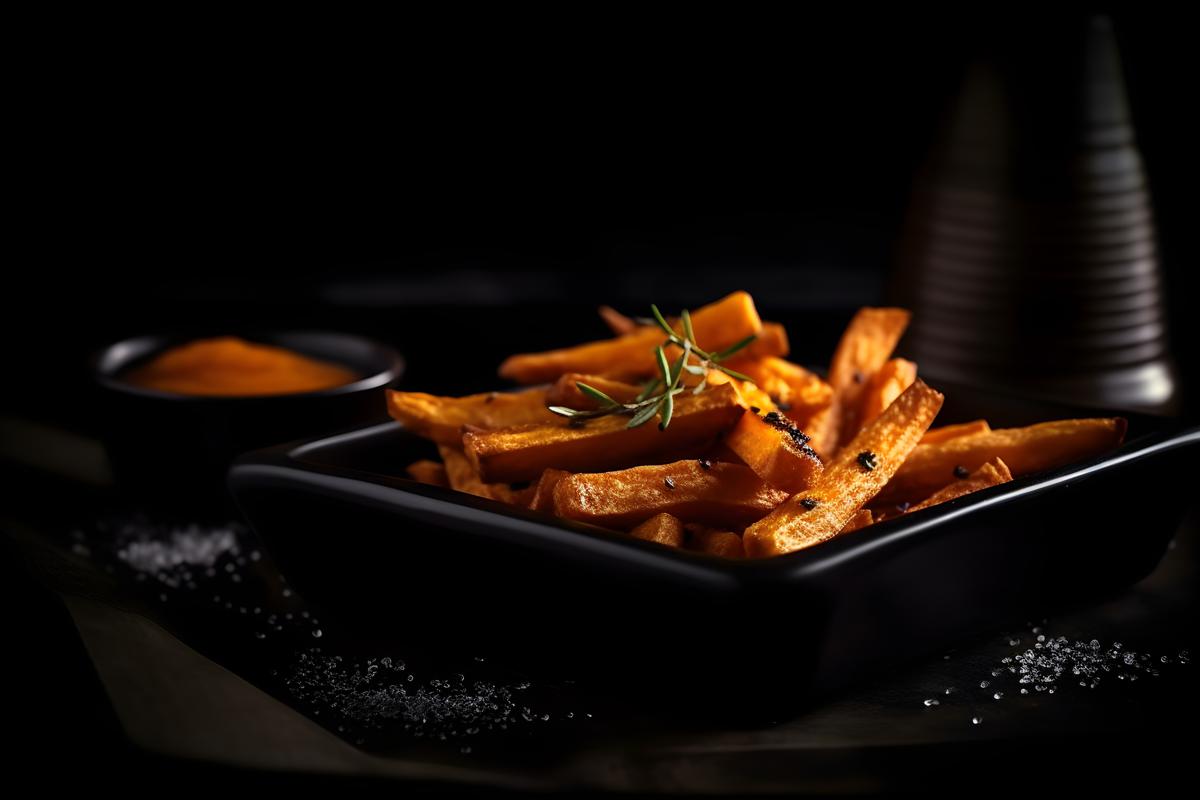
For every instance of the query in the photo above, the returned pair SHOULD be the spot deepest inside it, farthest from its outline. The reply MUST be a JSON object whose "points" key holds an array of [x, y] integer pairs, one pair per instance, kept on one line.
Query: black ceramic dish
{"points": [[758, 637], [169, 447]]}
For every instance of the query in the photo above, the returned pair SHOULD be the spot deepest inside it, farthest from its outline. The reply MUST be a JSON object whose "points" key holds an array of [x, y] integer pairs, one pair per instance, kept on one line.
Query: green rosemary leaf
{"points": [[662, 322], [596, 394], [666, 409], [701, 386], [728, 351], [663, 367], [677, 367], [733, 373], [643, 416], [563, 411], [687, 326], [650, 388], [695, 369]]}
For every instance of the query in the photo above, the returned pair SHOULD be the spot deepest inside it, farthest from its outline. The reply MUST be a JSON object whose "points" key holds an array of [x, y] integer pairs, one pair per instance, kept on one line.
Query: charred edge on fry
{"points": [[781, 423], [868, 460]]}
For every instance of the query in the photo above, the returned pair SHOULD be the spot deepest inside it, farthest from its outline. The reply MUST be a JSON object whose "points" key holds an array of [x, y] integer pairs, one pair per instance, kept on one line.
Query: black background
{"points": [[477, 181]]}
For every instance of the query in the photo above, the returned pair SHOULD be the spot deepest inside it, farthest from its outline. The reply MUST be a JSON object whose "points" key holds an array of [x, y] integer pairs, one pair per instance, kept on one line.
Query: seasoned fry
{"points": [[725, 544], [520, 454], [850, 480], [720, 494], [430, 472], [662, 528], [717, 326], [860, 520], [1025, 450], [864, 347], [565, 391], [772, 339], [993, 473], [442, 418], [463, 477], [775, 448], [543, 490], [947, 432], [791, 386], [886, 384]]}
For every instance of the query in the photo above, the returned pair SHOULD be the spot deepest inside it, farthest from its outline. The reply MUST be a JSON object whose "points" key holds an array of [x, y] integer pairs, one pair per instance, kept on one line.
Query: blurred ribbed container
{"points": [[1029, 254]]}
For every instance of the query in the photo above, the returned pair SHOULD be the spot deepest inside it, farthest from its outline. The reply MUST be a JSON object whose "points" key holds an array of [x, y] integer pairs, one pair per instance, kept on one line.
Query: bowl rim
{"points": [[138, 347]]}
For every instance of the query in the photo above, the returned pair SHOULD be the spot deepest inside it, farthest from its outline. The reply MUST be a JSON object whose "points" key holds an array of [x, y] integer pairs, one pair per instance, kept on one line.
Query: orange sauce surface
{"points": [[229, 366]]}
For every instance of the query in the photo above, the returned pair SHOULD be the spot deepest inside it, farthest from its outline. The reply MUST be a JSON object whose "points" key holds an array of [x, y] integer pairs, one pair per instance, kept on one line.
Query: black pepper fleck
{"points": [[755, 409], [868, 460], [705, 464], [809, 503], [961, 472], [670, 482], [799, 437]]}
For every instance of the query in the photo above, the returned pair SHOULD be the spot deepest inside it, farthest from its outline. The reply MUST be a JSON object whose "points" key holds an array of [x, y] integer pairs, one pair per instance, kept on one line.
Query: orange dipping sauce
{"points": [[227, 366]]}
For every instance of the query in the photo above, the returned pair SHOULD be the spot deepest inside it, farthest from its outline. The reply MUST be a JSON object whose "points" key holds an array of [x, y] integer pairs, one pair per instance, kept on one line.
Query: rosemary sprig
{"points": [[652, 402]]}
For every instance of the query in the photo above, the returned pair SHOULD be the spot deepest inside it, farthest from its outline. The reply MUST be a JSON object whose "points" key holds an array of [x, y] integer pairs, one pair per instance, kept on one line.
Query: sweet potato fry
{"points": [[947, 432], [862, 519], [719, 494], [772, 339], [565, 391], [617, 322], [442, 418], [864, 347], [543, 490], [662, 528], [725, 544], [885, 385], [775, 448], [993, 473], [1025, 450], [850, 480], [463, 477], [520, 454], [796, 390], [430, 472], [718, 325]]}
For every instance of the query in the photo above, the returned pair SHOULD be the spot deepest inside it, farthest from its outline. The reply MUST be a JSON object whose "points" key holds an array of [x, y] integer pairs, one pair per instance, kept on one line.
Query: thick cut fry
{"points": [[1025, 450], [430, 472], [442, 418], [947, 432], [543, 490], [800, 392], [725, 544], [864, 347], [662, 528], [566, 391], [993, 473], [886, 384], [862, 519], [720, 494], [850, 480], [520, 454], [463, 477], [717, 326], [778, 452], [772, 339]]}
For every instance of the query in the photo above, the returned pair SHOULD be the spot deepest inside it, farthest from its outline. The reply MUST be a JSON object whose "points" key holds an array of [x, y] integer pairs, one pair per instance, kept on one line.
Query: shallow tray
{"points": [[760, 637]]}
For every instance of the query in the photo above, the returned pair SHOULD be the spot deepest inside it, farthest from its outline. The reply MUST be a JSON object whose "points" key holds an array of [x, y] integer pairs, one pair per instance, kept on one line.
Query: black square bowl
{"points": [[421, 564]]}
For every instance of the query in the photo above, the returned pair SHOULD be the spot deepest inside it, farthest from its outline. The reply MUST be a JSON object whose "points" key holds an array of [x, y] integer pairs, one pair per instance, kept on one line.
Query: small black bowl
{"points": [[167, 448]]}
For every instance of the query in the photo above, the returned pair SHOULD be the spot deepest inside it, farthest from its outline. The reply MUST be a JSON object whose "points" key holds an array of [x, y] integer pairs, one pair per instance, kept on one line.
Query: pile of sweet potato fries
{"points": [[752, 456]]}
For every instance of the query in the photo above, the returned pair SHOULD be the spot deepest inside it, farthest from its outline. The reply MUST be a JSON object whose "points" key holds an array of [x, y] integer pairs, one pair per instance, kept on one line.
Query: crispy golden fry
{"points": [[947, 432], [442, 418], [662, 528], [1025, 450], [725, 544], [993, 473], [772, 339], [565, 391], [776, 449], [430, 472], [720, 494], [850, 480], [864, 347], [860, 520], [543, 490], [791, 386], [717, 326], [463, 477], [520, 454], [886, 384]]}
